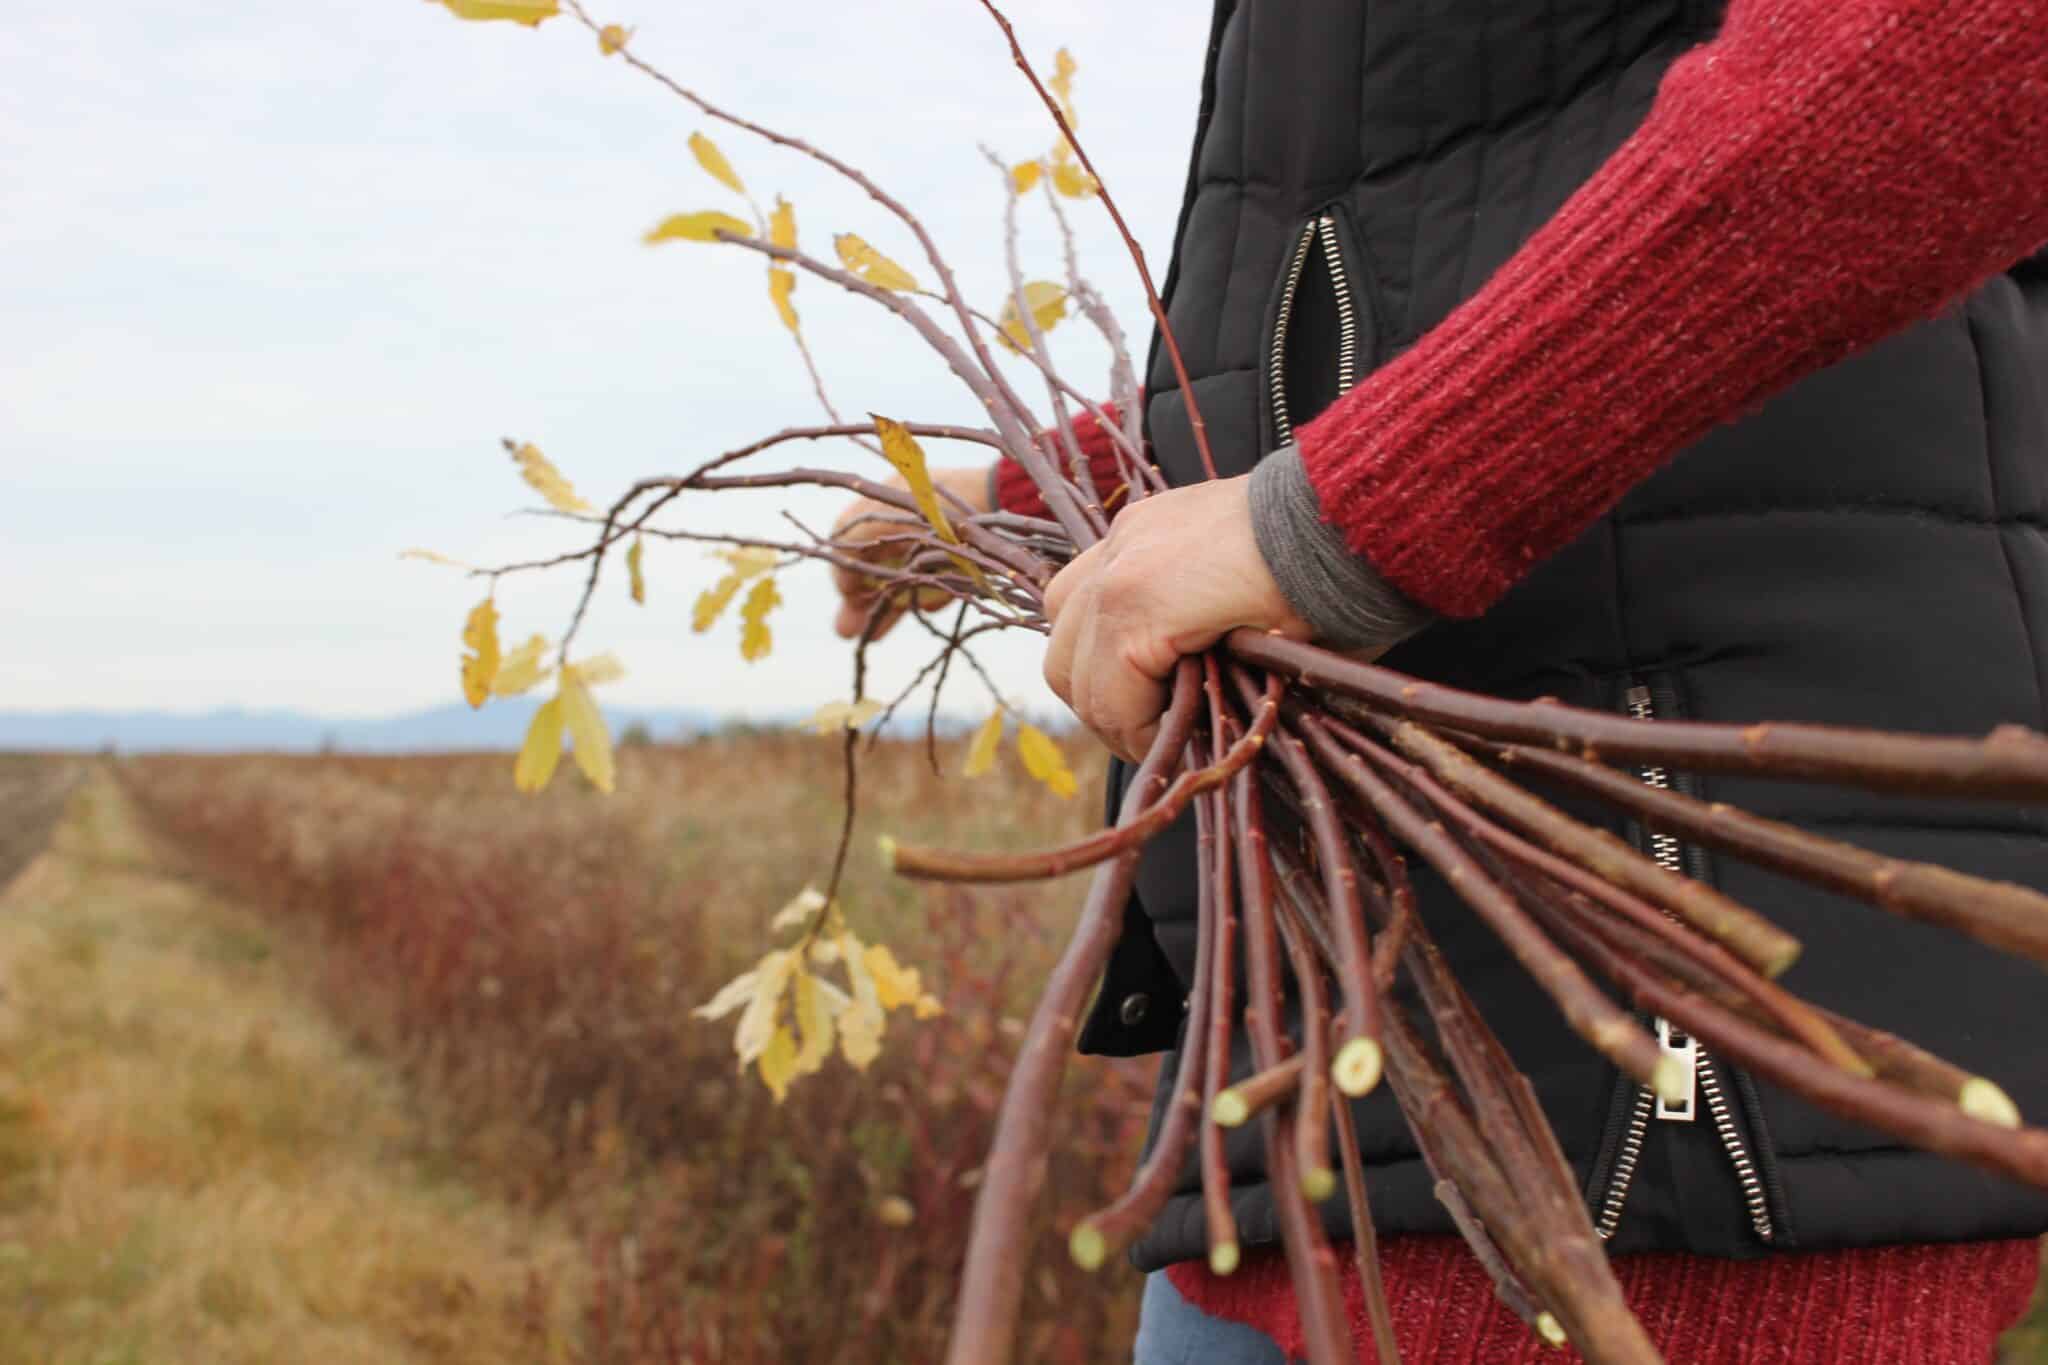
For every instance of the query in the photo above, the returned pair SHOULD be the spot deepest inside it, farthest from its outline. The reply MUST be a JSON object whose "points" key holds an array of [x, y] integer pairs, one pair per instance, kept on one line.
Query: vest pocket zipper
{"points": [[1318, 244], [1702, 1072]]}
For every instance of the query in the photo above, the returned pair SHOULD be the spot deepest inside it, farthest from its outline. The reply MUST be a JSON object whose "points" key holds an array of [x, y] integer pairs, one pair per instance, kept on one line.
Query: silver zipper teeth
{"points": [[1321, 230], [1738, 1152], [1668, 853]]}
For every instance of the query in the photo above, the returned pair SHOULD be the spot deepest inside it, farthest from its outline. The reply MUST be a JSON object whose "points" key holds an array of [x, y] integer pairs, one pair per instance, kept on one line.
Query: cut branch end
{"points": [[1357, 1068], [1982, 1099], [1223, 1258], [1088, 1247]]}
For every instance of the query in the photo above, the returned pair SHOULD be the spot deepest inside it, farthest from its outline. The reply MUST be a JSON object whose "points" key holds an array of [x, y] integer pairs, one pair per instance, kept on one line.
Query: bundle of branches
{"points": [[1315, 780]]}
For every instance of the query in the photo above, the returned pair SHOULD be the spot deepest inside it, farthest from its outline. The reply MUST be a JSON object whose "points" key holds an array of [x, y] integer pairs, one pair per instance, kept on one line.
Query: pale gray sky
{"points": [[275, 278]]}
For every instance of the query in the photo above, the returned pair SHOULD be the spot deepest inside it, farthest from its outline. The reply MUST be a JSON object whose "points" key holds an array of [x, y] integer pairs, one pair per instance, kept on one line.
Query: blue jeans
{"points": [[1172, 1331]]}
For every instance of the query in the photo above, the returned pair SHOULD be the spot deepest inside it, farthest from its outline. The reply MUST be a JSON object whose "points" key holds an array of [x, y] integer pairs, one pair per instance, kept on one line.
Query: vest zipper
{"points": [[1319, 231], [1703, 1077]]}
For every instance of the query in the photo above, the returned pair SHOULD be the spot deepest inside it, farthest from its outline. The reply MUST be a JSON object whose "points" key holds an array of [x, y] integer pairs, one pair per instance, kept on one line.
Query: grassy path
{"points": [[196, 1166]]}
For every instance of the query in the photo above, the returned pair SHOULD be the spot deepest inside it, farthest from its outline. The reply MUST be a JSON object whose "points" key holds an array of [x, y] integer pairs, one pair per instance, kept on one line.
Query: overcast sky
{"points": [[276, 278]]}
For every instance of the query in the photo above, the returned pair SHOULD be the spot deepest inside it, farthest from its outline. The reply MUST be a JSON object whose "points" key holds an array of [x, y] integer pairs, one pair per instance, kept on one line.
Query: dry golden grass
{"points": [[196, 1166]]}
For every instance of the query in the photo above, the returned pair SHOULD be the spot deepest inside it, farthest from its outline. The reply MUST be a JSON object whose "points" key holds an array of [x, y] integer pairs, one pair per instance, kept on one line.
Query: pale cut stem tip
{"points": [[1356, 1069], [1550, 1329], [1982, 1099], [1229, 1110], [1319, 1184], [1087, 1247], [1667, 1078], [1223, 1258], [886, 844]]}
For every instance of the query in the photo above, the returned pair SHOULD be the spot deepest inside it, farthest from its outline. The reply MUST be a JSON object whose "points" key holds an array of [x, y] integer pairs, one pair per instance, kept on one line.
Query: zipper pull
{"points": [[1676, 1043]]}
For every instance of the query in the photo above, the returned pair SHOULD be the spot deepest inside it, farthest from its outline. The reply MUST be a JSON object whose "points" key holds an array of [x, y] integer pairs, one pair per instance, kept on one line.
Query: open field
{"points": [[526, 967]]}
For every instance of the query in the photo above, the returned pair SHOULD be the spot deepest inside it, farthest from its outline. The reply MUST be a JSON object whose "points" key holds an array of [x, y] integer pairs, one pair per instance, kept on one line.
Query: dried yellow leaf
{"points": [[902, 451], [528, 12], [714, 162], [895, 984], [612, 38], [696, 227], [781, 284], [542, 749], [636, 577], [711, 603], [522, 668], [844, 715], [1069, 179], [778, 1063], [1044, 761], [801, 910], [895, 1211], [749, 560], [1062, 82], [434, 557], [732, 995], [600, 668], [1024, 175], [545, 479], [757, 1023], [927, 1007], [782, 225], [480, 664], [1048, 304], [814, 1024], [862, 1022], [870, 264], [756, 640], [981, 754], [589, 740]]}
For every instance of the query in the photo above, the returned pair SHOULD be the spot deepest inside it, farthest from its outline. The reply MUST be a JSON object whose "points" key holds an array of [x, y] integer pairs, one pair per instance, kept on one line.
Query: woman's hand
{"points": [[857, 591], [1178, 571]]}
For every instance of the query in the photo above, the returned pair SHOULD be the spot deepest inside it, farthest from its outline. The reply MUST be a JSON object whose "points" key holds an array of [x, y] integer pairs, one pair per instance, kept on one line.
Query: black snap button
{"points": [[1133, 1010]]}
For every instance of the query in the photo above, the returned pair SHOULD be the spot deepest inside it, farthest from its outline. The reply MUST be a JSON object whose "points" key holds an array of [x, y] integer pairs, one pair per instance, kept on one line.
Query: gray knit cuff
{"points": [[1347, 604]]}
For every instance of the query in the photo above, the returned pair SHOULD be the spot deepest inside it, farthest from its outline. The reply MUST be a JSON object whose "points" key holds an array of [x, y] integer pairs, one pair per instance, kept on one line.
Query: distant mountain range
{"points": [[498, 726]]}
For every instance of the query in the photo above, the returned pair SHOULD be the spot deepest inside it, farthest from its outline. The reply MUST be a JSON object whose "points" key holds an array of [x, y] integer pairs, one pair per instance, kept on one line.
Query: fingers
{"points": [[1114, 696], [1094, 663]]}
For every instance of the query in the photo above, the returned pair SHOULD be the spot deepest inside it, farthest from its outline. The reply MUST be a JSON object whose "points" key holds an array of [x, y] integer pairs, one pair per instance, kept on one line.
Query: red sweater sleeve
{"points": [[1821, 174], [1016, 493]]}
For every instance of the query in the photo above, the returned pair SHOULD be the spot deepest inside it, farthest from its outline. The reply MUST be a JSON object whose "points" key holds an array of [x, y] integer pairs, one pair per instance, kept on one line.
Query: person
{"points": [[1655, 356]]}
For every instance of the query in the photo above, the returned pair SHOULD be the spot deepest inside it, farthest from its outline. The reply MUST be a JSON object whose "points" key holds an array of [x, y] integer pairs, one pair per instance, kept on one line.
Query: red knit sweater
{"points": [[1820, 175]]}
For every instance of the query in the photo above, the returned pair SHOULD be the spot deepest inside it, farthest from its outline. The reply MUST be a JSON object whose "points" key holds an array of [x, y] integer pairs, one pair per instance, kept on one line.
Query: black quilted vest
{"points": [[1868, 549]]}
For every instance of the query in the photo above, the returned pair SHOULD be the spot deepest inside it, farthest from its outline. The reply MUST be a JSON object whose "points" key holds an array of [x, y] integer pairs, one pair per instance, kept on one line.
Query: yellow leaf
{"points": [[771, 975], [732, 995], [636, 578], [696, 227], [781, 284], [895, 1211], [981, 754], [434, 557], [1024, 175], [528, 12], [755, 637], [749, 560], [542, 749], [778, 1063], [1063, 70], [612, 38], [800, 911], [1069, 179], [711, 603], [600, 668], [895, 984], [546, 480], [1048, 304], [1044, 761], [814, 1024], [589, 740], [713, 161], [782, 225], [862, 1022], [480, 665], [844, 715], [901, 449], [870, 264], [521, 669], [927, 1007]]}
